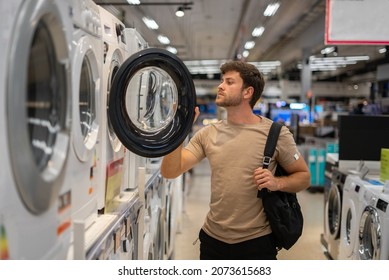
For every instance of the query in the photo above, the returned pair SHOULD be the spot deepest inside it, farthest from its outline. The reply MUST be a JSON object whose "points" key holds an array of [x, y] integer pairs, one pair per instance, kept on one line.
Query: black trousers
{"points": [[261, 248]]}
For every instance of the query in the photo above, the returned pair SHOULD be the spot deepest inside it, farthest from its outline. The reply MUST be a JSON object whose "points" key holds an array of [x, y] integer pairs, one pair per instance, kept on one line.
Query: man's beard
{"points": [[229, 101]]}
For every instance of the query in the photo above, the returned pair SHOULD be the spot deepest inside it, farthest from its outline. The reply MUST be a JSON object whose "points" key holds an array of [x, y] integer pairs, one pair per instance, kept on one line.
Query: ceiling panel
{"points": [[218, 29]]}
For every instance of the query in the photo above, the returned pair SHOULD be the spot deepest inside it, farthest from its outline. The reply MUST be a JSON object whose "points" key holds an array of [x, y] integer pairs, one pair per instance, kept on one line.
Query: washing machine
{"points": [[151, 109], [99, 241], [171, 217], [354, 202], [35, 93], [134, 42], [153, 221], [382, 205], [373, 232], [353, 194], [148, 229], [333, 212], [113, 163], [121, 242], [158, 218], [84, 156], [331, 163], [129, 248]]}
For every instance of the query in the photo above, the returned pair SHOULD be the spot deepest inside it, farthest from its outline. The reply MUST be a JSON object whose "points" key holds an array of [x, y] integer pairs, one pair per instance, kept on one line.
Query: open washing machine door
{"points": [[152, 101]]}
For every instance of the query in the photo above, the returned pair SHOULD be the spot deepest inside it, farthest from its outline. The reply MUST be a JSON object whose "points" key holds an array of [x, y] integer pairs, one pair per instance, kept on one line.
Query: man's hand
{"points": [[263, 178]]}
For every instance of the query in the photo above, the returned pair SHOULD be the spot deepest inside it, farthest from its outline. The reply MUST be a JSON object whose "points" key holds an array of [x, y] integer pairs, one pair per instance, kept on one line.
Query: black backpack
{"points": [[282, 208]]}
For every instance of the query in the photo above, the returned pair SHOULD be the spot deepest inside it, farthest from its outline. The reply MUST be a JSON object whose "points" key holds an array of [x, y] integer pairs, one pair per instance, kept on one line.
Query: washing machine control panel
{"points": [[86, 17]]}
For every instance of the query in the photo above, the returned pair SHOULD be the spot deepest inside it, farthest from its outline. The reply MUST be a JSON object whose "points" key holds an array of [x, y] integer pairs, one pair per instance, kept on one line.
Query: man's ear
{"points": [[248, 92]]}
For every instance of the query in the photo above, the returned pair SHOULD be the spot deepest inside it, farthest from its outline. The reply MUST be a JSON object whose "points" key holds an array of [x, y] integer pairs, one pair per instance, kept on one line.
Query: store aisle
{"points": [[196, 206]]}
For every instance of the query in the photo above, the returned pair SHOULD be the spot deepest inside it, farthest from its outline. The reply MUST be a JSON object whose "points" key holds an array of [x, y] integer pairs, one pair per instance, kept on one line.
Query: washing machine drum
{"points": [[151, 103], [370, 235], [333, 211]]}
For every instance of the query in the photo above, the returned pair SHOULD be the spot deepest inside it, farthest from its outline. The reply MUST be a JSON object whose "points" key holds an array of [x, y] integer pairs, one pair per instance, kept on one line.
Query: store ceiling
{"points": [[218, 30]]}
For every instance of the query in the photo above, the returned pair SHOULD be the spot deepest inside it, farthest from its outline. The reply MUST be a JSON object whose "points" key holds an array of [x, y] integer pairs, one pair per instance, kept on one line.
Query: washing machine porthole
{"points": [[151, 103]]}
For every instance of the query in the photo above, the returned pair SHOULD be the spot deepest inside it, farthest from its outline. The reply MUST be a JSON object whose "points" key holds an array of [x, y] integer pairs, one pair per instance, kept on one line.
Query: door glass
{"points": [[87, 103], [45, 114], [151, 99], [367, 248]]}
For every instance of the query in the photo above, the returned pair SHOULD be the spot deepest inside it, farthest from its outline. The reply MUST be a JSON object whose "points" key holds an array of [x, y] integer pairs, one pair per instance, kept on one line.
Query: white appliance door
{"points": [[152, 101]]}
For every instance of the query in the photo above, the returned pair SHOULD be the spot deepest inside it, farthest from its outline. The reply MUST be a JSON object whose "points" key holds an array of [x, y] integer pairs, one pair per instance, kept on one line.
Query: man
{"points": [[236, 226]]}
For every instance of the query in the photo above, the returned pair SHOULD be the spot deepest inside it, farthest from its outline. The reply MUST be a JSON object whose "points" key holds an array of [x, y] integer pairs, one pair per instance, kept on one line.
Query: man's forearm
{"points": [[171, 164]]}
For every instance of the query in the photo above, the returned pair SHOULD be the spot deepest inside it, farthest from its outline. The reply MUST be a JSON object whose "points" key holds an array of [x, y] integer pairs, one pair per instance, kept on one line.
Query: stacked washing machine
{"points": [[152, 227], [35, 93], [113, 152], [66, 187], [355, 192], [330, 165], [363, 219], [84, 171], [373, 231], [86, 124], [85, 145], [173, 199], [134, 43], [333, 212]]}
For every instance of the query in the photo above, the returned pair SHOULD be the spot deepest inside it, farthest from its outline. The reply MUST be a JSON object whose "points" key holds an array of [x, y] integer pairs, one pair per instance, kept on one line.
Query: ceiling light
{"points": [[163, 39], [249, 45], [172, 49], [333, 63], [213, 66], [180, 12], [327, 50], [133, 2], [258, 31], [271, 9], [245, 53], [150, 23], [382, 50]]}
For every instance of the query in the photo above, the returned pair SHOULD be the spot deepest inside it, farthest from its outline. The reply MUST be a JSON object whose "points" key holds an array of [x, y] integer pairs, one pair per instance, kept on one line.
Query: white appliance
{"points": [[157, 217], [134, 43], [151, 109], [354, 202], [130, 239], [35, 93], [383, 214], [171, 206], [152, 235], [331, 163], [112, 158], [373, 231], [333, 212], [121, 242], [85, 152], [352, 196], [147, 235]]}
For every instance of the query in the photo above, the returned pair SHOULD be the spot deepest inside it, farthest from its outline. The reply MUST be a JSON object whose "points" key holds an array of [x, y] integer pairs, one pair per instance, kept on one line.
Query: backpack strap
{"points": [[271, 143]]}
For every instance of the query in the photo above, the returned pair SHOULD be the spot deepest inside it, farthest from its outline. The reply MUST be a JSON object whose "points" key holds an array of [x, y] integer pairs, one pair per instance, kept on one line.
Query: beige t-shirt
{"points": [[234, 152]]}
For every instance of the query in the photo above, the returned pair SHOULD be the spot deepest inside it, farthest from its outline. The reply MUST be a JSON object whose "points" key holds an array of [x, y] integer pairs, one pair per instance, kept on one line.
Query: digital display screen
{"points": [[361, 137]]}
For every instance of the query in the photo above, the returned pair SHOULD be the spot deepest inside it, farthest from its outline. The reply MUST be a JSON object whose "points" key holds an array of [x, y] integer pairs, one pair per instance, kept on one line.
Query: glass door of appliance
{"points": [[151, 103]]}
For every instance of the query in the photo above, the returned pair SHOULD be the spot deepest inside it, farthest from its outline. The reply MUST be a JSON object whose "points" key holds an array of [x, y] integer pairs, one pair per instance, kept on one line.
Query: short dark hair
{"points": [[250, 76]]}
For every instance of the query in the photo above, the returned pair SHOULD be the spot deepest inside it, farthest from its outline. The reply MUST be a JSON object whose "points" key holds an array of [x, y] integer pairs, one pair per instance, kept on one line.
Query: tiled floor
{"points": [[196, 206]]}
